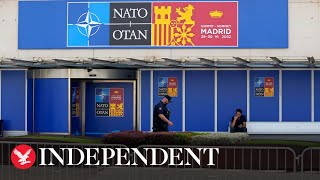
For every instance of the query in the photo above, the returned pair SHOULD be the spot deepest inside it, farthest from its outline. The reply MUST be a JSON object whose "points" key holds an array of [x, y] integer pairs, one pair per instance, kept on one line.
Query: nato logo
{"points": [[102, 95], [88, 24], [259, 82], [163, 82]]}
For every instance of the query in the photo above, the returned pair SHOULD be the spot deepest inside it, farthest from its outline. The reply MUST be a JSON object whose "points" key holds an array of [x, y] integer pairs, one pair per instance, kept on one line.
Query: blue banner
{"points": [[62, 24]]}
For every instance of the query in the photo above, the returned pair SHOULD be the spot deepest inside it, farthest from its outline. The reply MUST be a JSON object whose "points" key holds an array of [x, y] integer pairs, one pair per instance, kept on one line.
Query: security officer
{"points": [[161, 115]]}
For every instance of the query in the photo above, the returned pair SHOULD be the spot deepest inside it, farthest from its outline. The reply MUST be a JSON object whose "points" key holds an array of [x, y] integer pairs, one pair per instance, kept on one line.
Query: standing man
{"points": [[161, 115], [238, 122]]}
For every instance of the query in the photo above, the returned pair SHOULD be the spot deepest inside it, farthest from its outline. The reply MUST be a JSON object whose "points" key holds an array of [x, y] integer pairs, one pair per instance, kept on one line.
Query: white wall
{"points": [[304, 40]]}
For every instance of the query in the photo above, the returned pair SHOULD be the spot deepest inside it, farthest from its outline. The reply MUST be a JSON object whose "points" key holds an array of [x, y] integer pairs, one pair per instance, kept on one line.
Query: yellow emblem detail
{"points": [[186, 15], [173, 32], [216, 14]]}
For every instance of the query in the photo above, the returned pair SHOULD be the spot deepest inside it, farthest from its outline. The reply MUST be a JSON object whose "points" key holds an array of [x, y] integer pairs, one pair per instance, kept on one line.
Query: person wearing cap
{"points": [[161, 115]]}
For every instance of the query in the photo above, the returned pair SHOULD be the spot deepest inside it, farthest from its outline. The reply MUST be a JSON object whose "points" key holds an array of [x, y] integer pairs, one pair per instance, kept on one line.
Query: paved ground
{"points": [[300, 137], [134, 173]]}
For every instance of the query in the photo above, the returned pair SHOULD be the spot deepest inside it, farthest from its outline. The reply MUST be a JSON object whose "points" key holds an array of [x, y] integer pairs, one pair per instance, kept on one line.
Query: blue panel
{"points": [[145, 101], [296, 96], [176, 105], [51, 105], [13, 100], [258, 105], [317, 96], [43, 24], [30, 105], [98, 126], [232, 94], [256, 12], [199, 101], [76, 126]]}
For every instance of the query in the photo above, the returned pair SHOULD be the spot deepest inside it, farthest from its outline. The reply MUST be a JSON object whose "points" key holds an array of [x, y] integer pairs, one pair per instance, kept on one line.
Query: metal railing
{"points": [[281, 159], [310, 160]]}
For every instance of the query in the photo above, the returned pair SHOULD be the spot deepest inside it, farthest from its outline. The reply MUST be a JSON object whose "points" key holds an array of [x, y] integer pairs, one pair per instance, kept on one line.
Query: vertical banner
{"points": [[75, 102], [168, 86], [102, 101], [269, 87], [173, 87], [264, 87], [110, 102], [162, 86], [116, 102]]}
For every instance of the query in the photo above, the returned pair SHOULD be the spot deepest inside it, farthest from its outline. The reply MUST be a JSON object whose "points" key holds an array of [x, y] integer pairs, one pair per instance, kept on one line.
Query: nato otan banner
{"points": [[153, 24]]}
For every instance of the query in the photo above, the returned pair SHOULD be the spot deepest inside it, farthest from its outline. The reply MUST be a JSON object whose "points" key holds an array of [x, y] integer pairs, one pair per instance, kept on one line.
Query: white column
{"points": [[139, 100], [248, 95], [33, 111], [0, 94], [83, 107], [280, 95], [215, 100], [69, 102], [312, 95], [151, 99], [26, 102], [183, 100]]}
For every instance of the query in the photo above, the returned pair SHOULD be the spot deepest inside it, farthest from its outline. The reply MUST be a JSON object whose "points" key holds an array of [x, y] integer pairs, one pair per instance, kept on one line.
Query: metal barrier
{"points": [[310, 160], [241, 158]]}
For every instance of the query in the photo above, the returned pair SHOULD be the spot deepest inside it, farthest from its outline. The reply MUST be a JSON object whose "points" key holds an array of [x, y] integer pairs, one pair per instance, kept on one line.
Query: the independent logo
{"points": [[23, 156]]}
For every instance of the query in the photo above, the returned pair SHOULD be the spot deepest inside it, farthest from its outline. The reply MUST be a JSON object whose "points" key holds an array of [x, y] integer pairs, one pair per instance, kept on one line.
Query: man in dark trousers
{"points": [[238, 122], [161, 115]]}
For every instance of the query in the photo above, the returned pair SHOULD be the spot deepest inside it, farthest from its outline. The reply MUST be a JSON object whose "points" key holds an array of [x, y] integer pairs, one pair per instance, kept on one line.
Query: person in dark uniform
{"points": [[161, 115], [238, 122]]}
